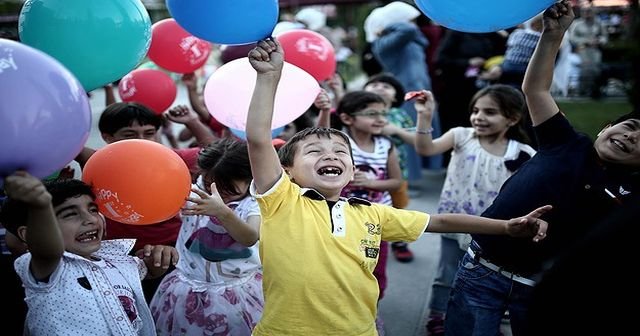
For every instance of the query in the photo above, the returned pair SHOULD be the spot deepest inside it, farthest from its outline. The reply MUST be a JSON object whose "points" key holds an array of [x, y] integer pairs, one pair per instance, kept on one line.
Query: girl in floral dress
{"points": [[216, 288]]}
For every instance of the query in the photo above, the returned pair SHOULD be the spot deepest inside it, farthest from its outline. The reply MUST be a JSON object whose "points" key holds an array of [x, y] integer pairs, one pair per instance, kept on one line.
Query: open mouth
{"points": [[620, 145], [88, 236], [329, 171]]}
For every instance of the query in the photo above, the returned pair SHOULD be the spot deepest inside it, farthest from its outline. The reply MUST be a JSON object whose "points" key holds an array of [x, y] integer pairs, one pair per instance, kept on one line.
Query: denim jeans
{"points": [[480, 298], [450, 255]]}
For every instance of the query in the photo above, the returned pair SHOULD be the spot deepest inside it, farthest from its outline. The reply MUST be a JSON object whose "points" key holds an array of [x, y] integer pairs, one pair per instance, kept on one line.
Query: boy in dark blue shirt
{"points": [[584, 181]]}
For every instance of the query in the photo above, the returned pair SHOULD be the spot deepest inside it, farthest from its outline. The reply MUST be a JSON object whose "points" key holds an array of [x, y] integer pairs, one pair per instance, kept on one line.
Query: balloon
{"points": [[176, 77], [226, 21], [98, 41], [481, 16], [228, 92], [310, 51], [138, 181], [45, 116], [174, 49], [151, 88], [242, 135]]}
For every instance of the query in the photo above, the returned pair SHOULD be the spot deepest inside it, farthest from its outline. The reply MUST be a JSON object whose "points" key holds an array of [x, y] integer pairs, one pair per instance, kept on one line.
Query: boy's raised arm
{"points": [[537, 80], [267, 58], [43, 234]]}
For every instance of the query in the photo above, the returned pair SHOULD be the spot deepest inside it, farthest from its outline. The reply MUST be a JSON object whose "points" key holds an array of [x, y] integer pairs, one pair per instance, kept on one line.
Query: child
{"points": [[483, 157], [122, 121], [363, 116], [392, 91], [584, 181], [219, 265], [76, 283], [319, 250]]}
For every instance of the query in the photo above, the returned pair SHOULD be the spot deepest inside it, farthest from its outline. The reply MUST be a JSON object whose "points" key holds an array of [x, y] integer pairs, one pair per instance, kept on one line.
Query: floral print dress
{"points": [[216, 288]]}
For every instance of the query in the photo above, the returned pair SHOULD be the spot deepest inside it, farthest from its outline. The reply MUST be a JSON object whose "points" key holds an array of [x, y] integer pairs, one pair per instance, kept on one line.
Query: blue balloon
{"points": [[226, 21], [98, 41], [481, 16], [45, 118], [243, 135]]}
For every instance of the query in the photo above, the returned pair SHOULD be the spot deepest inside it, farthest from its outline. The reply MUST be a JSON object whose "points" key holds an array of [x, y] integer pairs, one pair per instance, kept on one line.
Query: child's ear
{"points": [[22, 233], [108, 138], [345, 118], [602, 130]]}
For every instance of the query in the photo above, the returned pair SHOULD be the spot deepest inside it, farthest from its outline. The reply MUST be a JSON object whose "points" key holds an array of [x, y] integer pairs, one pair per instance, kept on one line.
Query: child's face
{"points": [[135, 131], [81, 225], [323, 164], [620, 144], [384, 90], [370, 120], [487, 119]]}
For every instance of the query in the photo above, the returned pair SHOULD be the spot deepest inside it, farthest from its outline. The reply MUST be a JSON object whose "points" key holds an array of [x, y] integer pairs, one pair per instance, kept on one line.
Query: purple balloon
{"points": [[45, 118]]}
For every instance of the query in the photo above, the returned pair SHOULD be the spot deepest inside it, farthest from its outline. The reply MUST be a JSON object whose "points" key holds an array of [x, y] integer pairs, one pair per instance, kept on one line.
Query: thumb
{"points": [[213, 188]]}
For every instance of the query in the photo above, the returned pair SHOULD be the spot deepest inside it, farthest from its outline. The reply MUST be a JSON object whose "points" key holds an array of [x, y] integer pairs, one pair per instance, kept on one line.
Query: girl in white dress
{"points": [[483, 157], [216, 288]]}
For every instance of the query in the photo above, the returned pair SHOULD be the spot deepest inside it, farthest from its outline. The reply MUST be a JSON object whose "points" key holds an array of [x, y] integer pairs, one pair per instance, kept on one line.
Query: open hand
{"points": [[267, 56], [158, 258], [204, 204], [530, 225]]}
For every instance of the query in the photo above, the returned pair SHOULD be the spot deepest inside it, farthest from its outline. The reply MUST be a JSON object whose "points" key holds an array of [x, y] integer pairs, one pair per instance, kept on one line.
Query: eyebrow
{"points": [[68, 207], [635, 122]]}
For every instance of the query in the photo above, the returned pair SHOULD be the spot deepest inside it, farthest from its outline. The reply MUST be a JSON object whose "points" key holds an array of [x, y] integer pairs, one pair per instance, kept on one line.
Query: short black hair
{"points": [[13, 214], [393, 81], [288, 151], [635, 114], [119, 115]]}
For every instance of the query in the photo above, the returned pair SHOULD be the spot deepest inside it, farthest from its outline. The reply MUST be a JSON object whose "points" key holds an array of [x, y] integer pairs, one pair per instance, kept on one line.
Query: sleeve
{"points": [[274, 199], [22, 268], [554, 131], [400, 224], [461, 135]]}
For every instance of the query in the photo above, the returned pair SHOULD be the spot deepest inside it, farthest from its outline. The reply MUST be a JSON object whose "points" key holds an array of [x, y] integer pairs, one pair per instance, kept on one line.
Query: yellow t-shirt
{"points": [[318, 263]]}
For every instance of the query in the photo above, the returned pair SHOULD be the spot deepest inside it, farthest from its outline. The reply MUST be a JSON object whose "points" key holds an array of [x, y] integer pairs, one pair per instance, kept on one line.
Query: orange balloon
{"points": [[138, 182]]}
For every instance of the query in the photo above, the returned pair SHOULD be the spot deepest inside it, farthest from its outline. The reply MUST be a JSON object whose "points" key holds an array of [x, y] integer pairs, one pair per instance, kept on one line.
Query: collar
{"points": [[109, 248], [316, 196]]}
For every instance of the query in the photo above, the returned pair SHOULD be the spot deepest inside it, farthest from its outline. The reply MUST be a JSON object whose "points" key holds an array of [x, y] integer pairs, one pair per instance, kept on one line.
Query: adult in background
{"points": [[400, 49]]}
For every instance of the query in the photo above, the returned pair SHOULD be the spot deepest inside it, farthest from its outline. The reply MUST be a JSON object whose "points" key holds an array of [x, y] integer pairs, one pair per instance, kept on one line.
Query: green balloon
{"points": [[98, 41]]}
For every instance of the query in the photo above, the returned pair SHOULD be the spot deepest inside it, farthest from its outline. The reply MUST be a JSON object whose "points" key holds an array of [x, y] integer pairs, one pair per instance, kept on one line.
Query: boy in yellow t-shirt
{"points": [[318, 249]]}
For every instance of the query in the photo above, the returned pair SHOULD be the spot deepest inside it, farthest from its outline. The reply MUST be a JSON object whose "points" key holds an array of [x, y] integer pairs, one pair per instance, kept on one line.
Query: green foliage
{"points": [[591, 116]]}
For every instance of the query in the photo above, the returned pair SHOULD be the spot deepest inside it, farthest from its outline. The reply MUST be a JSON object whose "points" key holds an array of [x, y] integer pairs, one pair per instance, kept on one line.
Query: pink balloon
{"points": [[228, 92]]}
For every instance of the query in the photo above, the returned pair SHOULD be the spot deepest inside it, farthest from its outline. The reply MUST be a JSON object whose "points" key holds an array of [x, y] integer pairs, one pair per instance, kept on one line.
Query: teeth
{"points": [[88, 236], [329, 171], [619, 144]]}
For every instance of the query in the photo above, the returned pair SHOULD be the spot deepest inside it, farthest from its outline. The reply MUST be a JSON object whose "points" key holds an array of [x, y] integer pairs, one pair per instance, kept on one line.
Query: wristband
{"points": [[424, 131]]}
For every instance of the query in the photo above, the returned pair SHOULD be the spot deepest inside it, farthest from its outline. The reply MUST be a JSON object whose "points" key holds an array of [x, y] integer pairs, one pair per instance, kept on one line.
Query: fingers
{"points": [[537, 213], [198, 192], [541, 233]]}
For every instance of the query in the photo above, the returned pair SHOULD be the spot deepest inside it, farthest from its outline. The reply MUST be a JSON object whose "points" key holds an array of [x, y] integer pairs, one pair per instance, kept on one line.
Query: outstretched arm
{"points": [[527, 226], [537, 80], [43, 235], [267, 58]]}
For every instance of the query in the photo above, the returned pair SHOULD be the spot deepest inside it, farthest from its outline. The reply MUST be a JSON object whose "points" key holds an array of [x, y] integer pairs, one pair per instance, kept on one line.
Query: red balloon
{"points": [[151, 88], [174, 49], [309, 51], [137, 181]]}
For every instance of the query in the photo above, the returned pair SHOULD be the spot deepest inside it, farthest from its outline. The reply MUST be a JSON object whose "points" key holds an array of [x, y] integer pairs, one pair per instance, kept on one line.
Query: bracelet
{"points": [[424, 131]]}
